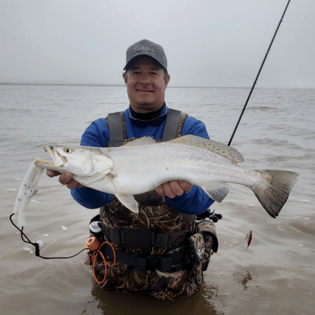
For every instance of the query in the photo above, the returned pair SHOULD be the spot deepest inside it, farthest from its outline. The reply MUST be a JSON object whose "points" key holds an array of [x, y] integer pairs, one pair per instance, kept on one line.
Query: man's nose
{"points": [[144, 79]]}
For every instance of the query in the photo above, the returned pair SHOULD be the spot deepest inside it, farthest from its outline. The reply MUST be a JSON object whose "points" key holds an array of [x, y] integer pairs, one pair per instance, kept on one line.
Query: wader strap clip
{"points": [[215, 217]]}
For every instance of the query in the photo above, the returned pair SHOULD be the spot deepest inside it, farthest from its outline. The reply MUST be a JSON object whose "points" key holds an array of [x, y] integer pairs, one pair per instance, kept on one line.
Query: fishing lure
{"points": [[249, 238]]}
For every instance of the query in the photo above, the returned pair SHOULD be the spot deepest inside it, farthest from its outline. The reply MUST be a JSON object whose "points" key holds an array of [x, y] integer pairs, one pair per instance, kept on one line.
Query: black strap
{"points": [[176, 261], [116, 129], [144, 238], [171, 124]]}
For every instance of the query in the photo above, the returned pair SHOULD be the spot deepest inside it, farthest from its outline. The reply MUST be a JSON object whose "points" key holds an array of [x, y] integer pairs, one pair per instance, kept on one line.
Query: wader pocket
{"points": [[197, 252], [207, 229], [201, 246]]}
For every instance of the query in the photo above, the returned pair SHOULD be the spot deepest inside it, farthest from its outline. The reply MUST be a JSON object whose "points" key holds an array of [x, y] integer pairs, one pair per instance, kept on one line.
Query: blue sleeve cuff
{"points": [[90, 198], [194, 202]]}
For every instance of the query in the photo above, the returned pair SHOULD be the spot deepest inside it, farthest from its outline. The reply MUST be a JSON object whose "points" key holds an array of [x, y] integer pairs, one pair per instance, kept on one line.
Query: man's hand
{"points": [[173, 188], [65, 179]]}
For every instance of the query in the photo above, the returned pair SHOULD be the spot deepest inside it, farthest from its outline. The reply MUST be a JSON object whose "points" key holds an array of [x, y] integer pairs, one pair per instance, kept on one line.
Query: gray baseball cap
{"points": [[146, 48]]}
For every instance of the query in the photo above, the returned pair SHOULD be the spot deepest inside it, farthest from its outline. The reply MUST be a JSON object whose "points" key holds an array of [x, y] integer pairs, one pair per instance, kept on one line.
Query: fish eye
{"points": [[67, 150]]}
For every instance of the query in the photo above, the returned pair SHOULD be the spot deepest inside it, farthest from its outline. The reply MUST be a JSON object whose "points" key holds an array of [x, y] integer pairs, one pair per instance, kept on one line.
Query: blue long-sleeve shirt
{"points": [[97, 135]]}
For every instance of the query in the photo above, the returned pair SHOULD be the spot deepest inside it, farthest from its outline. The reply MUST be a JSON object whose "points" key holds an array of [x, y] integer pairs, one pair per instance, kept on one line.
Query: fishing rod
{"points": [[256, 79]]}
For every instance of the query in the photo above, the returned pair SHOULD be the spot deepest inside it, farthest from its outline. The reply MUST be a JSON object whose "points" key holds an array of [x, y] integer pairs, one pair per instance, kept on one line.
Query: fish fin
{"points": [[274, 189], [140, 142], [216, 147], [217, 192], [129, 202]]}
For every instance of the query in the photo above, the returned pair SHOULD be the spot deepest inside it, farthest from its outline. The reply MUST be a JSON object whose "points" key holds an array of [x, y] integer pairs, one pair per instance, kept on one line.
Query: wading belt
{"points": [[176, 261], [144, 238]]}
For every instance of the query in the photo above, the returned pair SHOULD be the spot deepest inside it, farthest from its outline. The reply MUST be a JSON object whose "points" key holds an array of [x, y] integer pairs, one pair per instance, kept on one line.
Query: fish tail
{"points": [[274, 189]]}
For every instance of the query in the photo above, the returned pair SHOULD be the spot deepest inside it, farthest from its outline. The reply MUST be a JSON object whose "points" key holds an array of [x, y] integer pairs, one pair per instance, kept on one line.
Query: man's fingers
{"points": [[65, 178], [168, 192], [175, 188], [186, 186], [172, 189], [74, 184], [165, 190], [52, 173], [160, 191]]}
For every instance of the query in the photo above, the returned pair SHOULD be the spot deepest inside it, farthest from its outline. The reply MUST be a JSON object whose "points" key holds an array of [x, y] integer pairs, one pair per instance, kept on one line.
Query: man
{"points": [[151, 247]]}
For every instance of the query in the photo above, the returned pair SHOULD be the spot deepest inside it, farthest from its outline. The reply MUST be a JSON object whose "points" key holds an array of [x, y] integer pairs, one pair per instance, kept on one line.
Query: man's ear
{"points": [[167, 80], [125, 77]]}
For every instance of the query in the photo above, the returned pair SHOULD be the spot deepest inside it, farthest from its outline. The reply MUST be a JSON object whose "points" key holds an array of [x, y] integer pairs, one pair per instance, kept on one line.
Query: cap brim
{"points": [[141, 55]]}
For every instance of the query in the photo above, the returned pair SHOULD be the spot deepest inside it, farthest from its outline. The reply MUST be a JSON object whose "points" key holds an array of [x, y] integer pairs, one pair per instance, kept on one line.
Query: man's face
{"points": [[146, 85]]}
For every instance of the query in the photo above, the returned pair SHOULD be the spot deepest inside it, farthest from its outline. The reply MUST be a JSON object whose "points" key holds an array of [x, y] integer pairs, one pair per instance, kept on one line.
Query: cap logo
{"points": [[144, 49]]}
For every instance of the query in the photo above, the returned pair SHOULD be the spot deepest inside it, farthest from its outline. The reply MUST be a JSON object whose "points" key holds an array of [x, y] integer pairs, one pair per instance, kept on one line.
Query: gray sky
{"points": [[207, 43]]}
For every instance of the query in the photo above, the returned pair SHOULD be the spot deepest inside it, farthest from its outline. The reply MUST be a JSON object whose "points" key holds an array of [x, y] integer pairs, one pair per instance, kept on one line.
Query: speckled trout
{"points": [[143, 164]]}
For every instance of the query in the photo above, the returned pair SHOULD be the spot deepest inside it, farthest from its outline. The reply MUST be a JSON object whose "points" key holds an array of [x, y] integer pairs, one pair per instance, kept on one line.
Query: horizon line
{"points": [[122, 85]]}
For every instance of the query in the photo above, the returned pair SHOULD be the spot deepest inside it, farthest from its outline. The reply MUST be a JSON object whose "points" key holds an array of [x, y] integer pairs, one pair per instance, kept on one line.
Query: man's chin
{"points": [[145, 107]]}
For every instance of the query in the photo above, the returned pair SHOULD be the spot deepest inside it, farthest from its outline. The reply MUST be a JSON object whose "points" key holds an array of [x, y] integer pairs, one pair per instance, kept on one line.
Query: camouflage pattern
{"points": [[161, 285], [197, 247], [201, 246], [207, 228]]}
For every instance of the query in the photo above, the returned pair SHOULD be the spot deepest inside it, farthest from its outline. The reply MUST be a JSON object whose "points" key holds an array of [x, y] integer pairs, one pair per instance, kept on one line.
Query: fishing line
{"points": [[256, 79], [26, 240]]}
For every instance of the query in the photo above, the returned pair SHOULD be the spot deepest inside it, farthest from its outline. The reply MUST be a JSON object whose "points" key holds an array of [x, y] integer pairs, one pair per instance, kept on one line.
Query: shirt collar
{"points": [[148, 117]]}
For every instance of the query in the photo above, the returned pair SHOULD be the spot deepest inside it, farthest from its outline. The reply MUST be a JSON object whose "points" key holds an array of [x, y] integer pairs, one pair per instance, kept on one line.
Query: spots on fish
{"points": [[111, 176]]}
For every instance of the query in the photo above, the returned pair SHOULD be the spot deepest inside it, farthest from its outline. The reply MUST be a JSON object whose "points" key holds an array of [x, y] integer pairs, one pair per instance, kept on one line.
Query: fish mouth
{"points": [[44, 163], [59, 160]]}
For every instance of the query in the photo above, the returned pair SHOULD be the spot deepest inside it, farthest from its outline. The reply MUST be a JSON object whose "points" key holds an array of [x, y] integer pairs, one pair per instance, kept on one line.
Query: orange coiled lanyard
{"points": [[94, 245]]}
